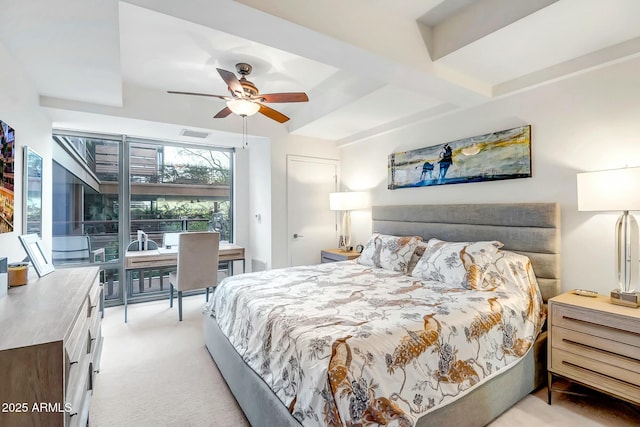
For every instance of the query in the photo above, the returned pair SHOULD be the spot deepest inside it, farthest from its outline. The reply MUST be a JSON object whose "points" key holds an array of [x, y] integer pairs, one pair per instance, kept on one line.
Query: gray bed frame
{"points": [[532, 229]]}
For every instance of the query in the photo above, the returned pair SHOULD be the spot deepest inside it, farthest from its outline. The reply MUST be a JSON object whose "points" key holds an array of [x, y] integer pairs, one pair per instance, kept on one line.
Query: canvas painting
{"points": [[494, 156], [7, 156]]}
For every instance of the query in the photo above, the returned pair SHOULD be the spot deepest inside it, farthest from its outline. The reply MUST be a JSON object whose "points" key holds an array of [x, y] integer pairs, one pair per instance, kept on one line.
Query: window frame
{"points": [[124, 185]]}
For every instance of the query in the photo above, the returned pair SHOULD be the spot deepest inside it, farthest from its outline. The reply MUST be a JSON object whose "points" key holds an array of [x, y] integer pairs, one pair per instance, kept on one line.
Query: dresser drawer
{"points": [[596, 323], [608, 378], [79, 402], [94, 332], [75, 344], [96, 353], [79, 347], [94, 298], [597, 347], [595, 343], [233, 254], [78, 384]]}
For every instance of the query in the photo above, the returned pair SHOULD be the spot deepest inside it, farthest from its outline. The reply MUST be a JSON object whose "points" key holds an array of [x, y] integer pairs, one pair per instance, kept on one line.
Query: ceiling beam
{"points": [[362, 57], [475, 21]]}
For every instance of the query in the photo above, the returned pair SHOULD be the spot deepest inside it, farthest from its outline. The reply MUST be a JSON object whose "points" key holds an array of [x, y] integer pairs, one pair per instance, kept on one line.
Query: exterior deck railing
{"points": [[104, 233]]}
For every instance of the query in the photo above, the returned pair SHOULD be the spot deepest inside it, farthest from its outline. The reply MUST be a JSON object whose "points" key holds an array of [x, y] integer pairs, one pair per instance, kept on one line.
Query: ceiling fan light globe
{"points": [[242, 107]]}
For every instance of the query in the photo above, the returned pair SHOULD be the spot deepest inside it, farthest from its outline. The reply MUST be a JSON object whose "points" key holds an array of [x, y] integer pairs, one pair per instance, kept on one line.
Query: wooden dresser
{"points": [[595, 343], [50, 345]]}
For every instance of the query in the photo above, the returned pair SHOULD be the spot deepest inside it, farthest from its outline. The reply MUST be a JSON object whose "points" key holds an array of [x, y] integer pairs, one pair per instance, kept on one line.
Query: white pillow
{"points": [[508, 268], [396, 251], [421, 247], [369, 254], [458, 263], [389, 252]]}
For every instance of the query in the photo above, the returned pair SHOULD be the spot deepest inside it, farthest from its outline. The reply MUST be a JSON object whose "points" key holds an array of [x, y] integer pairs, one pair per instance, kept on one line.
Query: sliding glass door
{"points": [[107, 187], [176, 188]]}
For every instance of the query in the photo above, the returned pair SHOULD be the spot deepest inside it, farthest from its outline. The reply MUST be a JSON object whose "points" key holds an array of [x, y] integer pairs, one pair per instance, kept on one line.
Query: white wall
{"points": [[588, 122], [19, 108], [260, 214], [241, 185]]}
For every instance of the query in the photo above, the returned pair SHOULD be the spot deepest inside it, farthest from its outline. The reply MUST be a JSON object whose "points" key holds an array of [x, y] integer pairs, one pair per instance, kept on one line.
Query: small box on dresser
{"points": [[595, 343], [50, 346]]}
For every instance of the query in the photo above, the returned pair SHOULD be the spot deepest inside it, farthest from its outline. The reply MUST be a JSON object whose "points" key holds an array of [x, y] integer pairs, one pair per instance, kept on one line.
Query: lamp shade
{"points": [[242, 107], [348, 200], [609, 190]]}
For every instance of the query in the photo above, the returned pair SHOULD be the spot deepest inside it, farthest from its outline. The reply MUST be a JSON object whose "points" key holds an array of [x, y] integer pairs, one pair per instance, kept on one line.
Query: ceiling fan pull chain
{"points": [[244, 133]]}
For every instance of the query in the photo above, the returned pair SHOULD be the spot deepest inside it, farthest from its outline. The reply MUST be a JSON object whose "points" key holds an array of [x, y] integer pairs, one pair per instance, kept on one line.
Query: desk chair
{"points": [[133, 246], [198, 255], [169, 241]]}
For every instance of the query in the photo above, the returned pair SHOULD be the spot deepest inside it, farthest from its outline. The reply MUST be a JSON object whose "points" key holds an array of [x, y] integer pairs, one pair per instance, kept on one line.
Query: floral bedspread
{"points": [[342, 344]]}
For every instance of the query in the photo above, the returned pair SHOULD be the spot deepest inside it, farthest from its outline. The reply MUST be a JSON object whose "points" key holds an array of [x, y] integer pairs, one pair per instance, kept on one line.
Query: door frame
{"points": [[310, 159]]}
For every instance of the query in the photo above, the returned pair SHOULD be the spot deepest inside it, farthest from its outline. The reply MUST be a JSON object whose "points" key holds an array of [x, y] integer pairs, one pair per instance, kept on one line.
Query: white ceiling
{"points": [[368, 66]]}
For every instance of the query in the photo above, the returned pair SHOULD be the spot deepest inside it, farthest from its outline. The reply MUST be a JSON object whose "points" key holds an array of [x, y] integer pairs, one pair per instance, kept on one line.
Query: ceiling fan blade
{"points": [[284, 97], [223, 113], [232, 81], [200, 94], [273, 114]]}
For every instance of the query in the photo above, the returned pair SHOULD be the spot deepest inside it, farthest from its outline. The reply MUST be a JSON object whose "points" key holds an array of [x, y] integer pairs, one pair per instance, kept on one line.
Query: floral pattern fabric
{"points": [[369, 255], [417, 254], [396, 252], [389, 252], [343, 344], [457, 263]]}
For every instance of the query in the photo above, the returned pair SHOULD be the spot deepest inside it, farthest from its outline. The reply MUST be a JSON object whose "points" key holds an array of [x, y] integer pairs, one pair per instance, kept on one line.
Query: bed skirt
{"points": [[476, 409]]}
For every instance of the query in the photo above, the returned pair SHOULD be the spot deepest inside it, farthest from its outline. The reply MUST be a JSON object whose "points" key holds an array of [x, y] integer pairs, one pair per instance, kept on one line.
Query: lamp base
{"points": [[628, 299], [344, 243]]}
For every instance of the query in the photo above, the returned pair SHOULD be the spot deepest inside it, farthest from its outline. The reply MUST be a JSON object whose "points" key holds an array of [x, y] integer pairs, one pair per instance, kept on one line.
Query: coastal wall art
{"points": [[505, 154]]}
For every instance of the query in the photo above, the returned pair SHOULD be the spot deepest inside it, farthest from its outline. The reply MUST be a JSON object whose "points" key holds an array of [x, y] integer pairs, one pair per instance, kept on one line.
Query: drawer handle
{"points": [[73, 363]]}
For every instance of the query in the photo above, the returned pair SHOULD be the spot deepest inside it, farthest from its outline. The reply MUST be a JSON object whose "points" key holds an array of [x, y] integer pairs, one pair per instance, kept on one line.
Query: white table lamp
{"points": [[617, 190], [346, 202]]}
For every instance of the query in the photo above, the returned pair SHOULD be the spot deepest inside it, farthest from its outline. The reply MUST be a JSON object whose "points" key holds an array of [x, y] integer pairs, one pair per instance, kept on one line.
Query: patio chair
{"points": [[75, 249]]}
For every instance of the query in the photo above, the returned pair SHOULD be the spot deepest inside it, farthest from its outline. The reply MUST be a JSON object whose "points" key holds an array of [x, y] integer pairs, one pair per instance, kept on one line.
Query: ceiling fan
{"points": [[245, 100]]}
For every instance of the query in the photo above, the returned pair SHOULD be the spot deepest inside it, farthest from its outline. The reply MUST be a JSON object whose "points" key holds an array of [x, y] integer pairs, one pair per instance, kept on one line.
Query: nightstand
{"points": [[333, 255], [595, 343]]}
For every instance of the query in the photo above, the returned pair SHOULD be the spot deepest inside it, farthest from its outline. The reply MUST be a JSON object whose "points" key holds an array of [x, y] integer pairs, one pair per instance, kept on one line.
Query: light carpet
{"points": [[156, 371]]}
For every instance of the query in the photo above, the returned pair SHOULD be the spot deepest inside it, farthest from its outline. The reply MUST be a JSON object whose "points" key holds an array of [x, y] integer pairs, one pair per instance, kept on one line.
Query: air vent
{"points": [[193, 133]]}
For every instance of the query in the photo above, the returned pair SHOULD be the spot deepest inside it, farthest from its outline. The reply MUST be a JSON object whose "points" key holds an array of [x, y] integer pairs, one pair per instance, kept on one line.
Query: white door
{"points": [[311, 225]]}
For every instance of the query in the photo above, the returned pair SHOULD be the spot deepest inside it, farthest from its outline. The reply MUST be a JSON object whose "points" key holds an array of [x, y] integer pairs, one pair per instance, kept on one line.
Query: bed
{"points": [[531, 230]]}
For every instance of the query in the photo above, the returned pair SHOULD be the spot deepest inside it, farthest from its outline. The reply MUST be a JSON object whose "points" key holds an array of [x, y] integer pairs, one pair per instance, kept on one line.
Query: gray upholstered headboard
{"points": [[532, 229]]}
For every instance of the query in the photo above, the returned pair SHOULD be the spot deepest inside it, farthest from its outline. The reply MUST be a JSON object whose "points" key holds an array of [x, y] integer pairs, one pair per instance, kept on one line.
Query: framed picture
{"points": [[33, 247], [7, 155], [32, 192], [494, 156]]}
